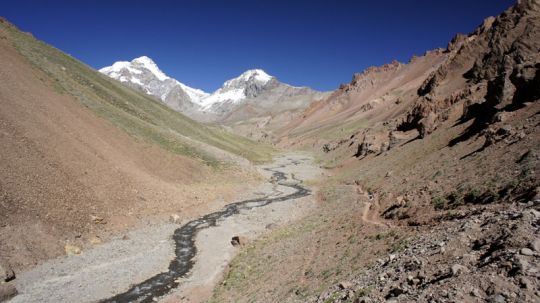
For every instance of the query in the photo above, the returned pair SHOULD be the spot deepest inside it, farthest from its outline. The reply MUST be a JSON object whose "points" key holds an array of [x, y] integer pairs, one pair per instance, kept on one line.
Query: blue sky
{"points": [[203, 43]]}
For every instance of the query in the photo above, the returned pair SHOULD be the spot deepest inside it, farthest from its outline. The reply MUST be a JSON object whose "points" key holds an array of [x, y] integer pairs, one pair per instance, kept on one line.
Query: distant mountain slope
{"points": [[262, 94], [233, 91], [254, 89], [136, 113], [478, 76], [83, 156], [143, 73]]}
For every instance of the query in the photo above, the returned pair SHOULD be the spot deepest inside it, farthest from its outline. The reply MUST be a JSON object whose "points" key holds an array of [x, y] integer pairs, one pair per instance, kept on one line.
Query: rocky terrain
{"points": [[111, 268], [435, 169], [427, 186], [482, 254]]}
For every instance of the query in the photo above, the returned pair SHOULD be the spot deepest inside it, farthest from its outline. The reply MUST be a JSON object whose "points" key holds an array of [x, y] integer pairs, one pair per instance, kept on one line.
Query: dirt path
{"points": [[370, 214], [141, 268]]}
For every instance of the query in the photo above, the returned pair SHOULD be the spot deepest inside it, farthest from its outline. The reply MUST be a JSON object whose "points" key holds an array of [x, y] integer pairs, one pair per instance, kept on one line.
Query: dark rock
{"points": [[238, 240], [395, 291], [525, 283]]}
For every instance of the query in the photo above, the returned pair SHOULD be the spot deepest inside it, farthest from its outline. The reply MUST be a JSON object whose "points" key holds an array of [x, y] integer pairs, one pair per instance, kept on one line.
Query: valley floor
{"points": [[115, 266]]}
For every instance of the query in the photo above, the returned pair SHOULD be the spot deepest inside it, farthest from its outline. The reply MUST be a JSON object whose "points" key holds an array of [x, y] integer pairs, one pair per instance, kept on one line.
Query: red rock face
{"points": [[505, 60]]}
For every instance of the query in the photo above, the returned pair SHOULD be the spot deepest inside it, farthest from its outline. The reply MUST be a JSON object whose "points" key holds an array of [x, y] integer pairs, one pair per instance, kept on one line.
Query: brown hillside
{"points": [[435, 187], [63, 169]]}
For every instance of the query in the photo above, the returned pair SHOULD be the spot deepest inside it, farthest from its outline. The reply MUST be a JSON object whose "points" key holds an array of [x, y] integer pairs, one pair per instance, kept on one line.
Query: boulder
{"points": [[458, 269], [427, 124], [525, 283], [97, 219], [345, 285], [7, 291], [238, 241], [535, 245], [175, 219], [6, 273], [526, 251], [72, 250], [271, 226], [373, 143]]}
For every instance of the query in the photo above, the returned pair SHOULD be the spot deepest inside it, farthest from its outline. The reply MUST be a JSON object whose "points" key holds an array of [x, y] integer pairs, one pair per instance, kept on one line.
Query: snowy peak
{"points": [[252, 75], [254, 86], [144, 74], [150, 65], [137, 66], [233, 91]]}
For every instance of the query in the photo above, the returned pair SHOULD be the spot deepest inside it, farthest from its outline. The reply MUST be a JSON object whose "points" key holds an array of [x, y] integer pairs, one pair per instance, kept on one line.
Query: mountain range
{"points": [[254, 89]]}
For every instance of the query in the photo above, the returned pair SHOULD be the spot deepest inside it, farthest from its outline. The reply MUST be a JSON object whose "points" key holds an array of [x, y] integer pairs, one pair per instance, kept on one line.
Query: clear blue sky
{"points": [[203, 43]]}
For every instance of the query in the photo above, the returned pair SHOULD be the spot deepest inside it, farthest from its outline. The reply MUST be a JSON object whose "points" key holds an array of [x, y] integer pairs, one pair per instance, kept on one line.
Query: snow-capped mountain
{"points": [[258, 91], [238, 89], [254, 88], [144, 74]]}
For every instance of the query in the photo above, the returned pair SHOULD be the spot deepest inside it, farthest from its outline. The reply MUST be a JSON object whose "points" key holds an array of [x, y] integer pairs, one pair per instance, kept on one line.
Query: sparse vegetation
{"points": [[438, 202], [138, 114], [455, 199]]}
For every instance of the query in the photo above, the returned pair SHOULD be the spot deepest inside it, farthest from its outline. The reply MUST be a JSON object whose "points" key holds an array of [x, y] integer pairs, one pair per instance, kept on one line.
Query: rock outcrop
{"points": [[498, 65]]}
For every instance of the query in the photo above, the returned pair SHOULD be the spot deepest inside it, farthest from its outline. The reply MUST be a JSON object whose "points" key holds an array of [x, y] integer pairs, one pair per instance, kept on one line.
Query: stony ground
{"points": [[110, 267], [214, 244], [485, 254]]}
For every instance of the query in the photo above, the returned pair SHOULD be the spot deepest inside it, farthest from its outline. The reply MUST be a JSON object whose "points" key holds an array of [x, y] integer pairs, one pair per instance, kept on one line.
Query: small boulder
{"points": [[238, 241], [175, 219], [7, 291], [525, 283], [6, 273], [412, 280], [97, 219], [526, 251], [475, 292], [428, 124], [498, 299], [72, 250], [270, 226], [345, 285], [458, 269], [535, 245], [395, 291]]}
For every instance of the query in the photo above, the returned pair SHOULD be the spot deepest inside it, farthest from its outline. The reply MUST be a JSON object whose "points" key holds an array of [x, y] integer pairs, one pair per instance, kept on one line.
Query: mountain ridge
{"points": [[143, 73]]}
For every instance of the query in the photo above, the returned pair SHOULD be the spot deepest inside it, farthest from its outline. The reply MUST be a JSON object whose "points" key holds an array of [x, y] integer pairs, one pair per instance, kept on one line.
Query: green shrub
{"points": [[438, 202], [455, 199]]}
